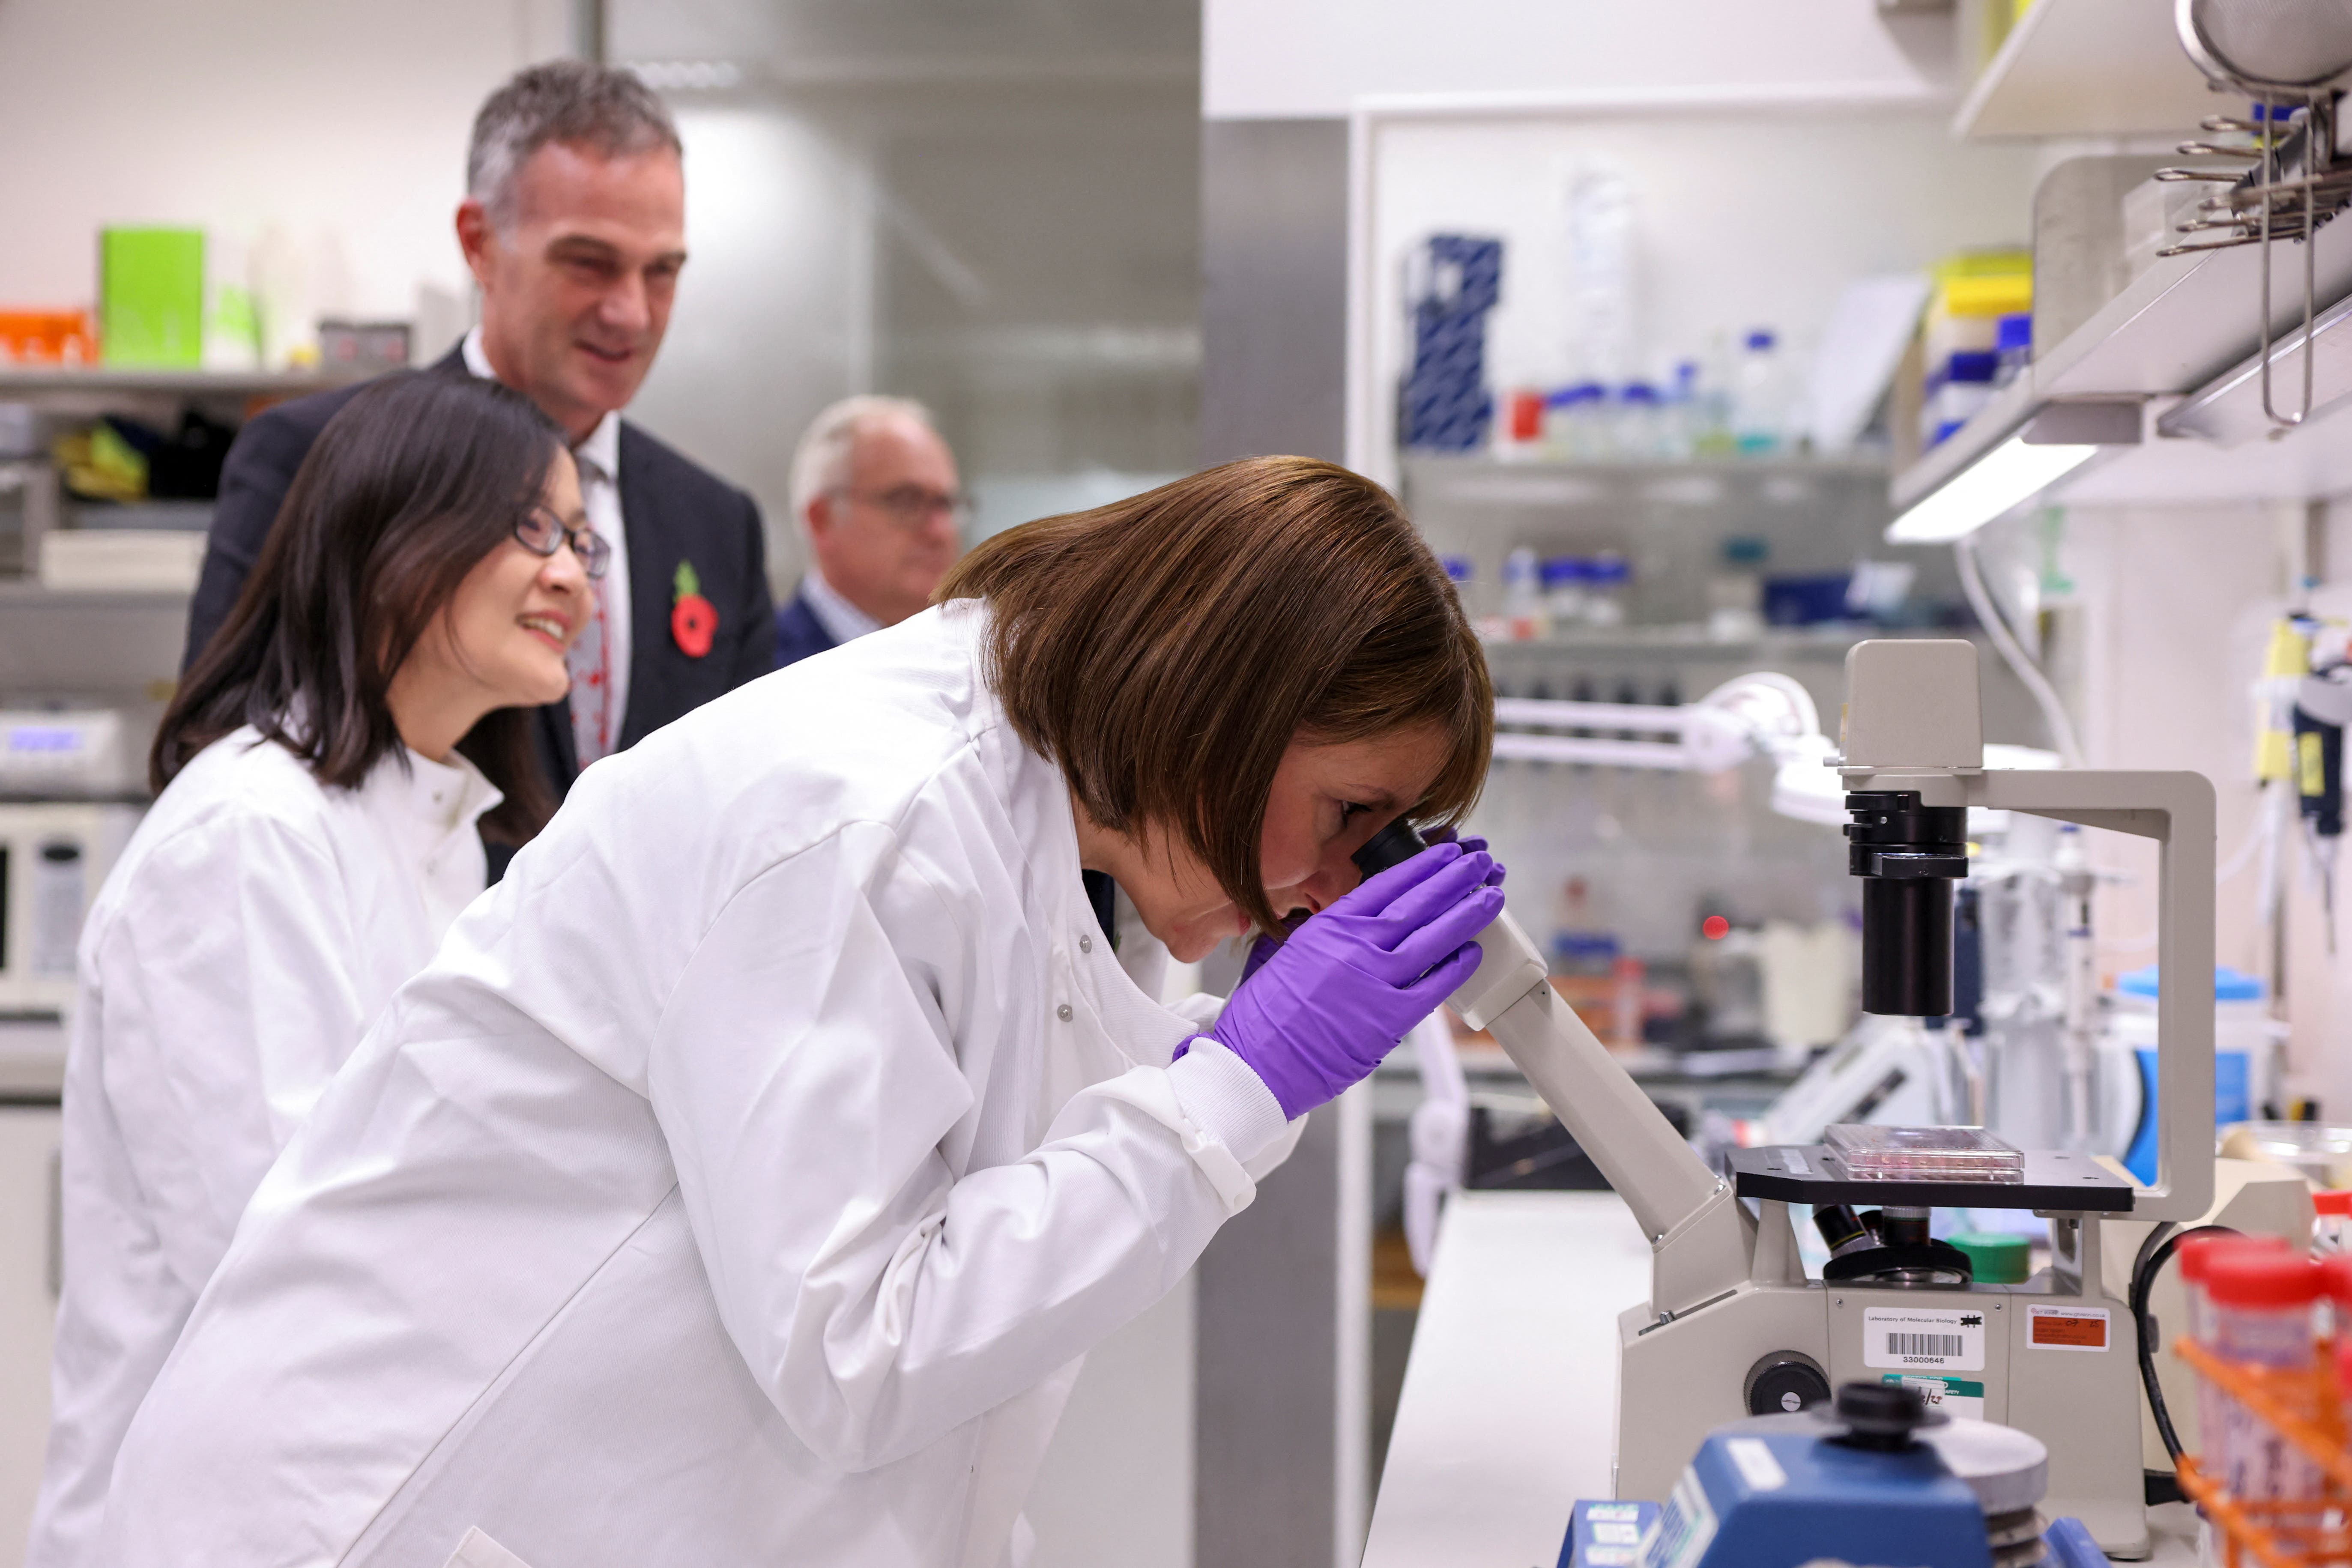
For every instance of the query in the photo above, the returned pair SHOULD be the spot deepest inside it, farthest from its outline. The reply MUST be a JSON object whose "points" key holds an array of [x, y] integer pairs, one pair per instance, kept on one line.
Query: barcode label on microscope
{"points": [[1947, 1339], [1923, 1344]]}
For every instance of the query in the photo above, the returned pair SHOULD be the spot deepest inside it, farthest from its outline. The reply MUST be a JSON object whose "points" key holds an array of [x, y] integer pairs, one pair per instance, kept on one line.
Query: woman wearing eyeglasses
{"points": [[327, 772]]}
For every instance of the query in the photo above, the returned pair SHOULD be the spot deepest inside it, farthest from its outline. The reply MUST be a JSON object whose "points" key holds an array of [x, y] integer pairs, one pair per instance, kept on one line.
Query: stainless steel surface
{"points": [[1274, 257], [1272, 1413]]}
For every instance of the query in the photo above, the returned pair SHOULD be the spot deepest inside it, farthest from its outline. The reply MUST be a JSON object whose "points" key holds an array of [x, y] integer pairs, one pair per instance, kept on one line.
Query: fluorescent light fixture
{"points": [[2011, 473], [2052, 441]]}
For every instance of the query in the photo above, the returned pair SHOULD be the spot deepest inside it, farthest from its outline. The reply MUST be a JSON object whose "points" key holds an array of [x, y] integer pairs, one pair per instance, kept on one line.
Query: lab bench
{"points": [[1508, 1412]]}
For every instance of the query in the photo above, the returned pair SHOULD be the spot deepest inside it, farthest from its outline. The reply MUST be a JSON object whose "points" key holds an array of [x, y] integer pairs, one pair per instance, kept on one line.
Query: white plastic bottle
{"points": [[1600, 272], [1607, 584], [1523, 605], [1563, 590], [1760, 411]]}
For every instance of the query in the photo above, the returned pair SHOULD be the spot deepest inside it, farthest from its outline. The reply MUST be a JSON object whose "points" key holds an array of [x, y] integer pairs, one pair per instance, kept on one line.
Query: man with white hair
{"points": [[874, 491], [574, 227]]}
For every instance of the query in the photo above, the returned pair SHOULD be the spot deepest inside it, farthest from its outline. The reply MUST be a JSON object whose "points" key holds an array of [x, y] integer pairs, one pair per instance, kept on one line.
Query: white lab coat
{"points": [[256, 925], [743, 1182]]}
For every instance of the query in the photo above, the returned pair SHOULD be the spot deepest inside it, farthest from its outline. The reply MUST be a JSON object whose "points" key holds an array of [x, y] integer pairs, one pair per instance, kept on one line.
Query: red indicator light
{"points": [[1714, 928]]}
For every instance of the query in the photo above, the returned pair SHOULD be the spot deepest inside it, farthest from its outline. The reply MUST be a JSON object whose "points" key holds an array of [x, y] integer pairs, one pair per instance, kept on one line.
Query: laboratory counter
{"points": [[1508, 1412]]}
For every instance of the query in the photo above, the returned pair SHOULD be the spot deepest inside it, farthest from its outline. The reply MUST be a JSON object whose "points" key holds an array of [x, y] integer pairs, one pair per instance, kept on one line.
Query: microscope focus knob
{"points": [[1782, 1383], [1881, 1414]]}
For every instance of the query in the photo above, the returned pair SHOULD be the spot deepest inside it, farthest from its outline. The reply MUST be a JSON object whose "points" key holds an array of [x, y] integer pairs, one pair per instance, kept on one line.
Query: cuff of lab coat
{"points": [[1225, 1098]]}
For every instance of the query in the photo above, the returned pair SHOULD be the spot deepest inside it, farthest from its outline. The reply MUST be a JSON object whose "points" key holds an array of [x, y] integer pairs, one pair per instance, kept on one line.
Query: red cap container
{"points": [[2336, 1283], [2329, 1200], [2262, 1277], [2197, 1252]]}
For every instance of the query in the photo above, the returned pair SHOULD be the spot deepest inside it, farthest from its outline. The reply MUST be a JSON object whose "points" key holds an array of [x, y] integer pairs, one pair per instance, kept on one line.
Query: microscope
{"points": [[1733, 1326]]}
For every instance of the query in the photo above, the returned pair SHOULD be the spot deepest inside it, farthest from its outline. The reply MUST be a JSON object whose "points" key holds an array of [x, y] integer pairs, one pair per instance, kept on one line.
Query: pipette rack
{"points": [[2277, 1532]]}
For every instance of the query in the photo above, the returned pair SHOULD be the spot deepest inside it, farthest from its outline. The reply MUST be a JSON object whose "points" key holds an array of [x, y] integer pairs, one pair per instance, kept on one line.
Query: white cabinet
{"points": [[28, 1301]]}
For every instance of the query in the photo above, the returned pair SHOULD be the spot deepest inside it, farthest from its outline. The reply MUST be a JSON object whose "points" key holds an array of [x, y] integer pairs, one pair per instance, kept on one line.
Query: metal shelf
{"points": [[2181, 323], [26, 591], [1510, 482], [2088, 68], [1692, 643], [22, 380]]}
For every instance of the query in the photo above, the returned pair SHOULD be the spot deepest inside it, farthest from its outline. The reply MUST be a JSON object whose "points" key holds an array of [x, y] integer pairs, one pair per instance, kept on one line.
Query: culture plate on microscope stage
{"points": [[1922, 1154]]}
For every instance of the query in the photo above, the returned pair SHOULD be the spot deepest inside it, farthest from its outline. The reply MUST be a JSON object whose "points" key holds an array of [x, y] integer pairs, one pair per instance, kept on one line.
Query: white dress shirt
{"points": [[254, 926], [599, 458], [843, 621]]}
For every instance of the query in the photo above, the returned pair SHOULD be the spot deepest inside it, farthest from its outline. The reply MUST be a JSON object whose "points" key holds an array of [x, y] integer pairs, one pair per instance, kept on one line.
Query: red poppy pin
{"points": [[692, 617]]}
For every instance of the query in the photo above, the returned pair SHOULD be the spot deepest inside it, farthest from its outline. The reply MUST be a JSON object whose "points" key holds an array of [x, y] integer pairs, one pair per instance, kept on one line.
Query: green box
{"points": [[151, 297]]}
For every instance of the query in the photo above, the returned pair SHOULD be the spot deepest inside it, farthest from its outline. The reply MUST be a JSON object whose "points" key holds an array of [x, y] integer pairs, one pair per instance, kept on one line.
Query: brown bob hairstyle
{"points": [[410, 484], [1166, 649]]}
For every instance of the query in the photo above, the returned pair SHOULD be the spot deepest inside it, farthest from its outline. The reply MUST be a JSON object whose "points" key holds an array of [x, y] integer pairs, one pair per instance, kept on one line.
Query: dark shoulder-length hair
{"points": [[412, 482], [1166, 649]]}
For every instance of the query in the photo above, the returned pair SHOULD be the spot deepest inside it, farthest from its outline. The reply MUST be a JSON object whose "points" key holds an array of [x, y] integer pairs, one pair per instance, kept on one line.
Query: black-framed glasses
{"points": [[911, 506], [541, 532]]}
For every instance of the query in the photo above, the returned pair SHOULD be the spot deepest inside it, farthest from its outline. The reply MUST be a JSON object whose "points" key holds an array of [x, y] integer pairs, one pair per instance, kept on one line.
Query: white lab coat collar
{"points": [[843, 621], [425, 804]]}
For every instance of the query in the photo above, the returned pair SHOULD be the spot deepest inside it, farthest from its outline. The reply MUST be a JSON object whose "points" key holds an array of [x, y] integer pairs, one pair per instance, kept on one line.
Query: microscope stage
{"points": [[1808, 1173]]}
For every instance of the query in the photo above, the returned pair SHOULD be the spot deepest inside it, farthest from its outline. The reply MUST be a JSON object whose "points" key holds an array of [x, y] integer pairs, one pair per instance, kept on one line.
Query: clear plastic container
{"points": [[1523, 608], [1576, 424], [1562, 577], [2260, 1301], [1759, 412], [1639, 432], [1912, 1153], [2335, 1295], [2193, 1255], [1735, 593], [2014, 341], [1608, 583], [2331, 1222], [1683, 418]]}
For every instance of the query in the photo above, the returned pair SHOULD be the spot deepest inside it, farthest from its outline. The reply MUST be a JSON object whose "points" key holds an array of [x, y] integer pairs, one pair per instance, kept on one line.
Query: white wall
{"points": [[1279, 59], [2176, 606], [774, 316], [340, 117]]}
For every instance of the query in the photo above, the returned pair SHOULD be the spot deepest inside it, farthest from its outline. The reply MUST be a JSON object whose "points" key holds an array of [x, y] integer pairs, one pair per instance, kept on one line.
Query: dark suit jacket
{"points": [[672, 510], [798, 633]]}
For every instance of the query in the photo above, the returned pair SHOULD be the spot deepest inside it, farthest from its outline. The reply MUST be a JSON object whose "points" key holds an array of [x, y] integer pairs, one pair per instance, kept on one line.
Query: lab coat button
{"points": [[1062, 1012], [1086, 944]]}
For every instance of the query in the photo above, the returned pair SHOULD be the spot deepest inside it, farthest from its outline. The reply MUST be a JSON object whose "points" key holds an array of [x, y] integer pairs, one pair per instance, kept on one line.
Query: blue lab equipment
{"points": [[1879, 1481], [1456, 280]]}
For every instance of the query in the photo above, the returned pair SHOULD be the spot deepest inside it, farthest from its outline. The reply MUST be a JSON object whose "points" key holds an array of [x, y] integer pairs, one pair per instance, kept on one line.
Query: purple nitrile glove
{"points": [[1338, 994], [1266, 946]]}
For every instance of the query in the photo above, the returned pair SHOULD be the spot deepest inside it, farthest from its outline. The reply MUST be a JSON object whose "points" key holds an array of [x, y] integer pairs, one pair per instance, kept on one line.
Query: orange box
{"points": [[47, 337]]}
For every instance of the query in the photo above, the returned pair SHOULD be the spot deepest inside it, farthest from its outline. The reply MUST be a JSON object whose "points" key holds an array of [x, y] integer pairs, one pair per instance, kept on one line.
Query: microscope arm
{"points": [[2176, 810], [1701, 1239]]}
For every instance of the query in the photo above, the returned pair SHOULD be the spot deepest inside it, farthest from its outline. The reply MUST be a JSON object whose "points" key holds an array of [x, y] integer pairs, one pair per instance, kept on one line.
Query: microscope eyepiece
{"points": [[1908, 855], [1393, 845]]}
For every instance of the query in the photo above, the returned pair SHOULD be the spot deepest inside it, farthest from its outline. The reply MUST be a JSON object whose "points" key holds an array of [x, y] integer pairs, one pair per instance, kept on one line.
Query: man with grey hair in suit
{"points": [[573, 227], [875, 492]]}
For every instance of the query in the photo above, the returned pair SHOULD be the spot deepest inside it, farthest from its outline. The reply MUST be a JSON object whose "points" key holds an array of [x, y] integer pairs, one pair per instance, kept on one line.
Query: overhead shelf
{"points": [[1693, 645], [1486, 481], [2089, 67], [2185, 324], [20, 380]]}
